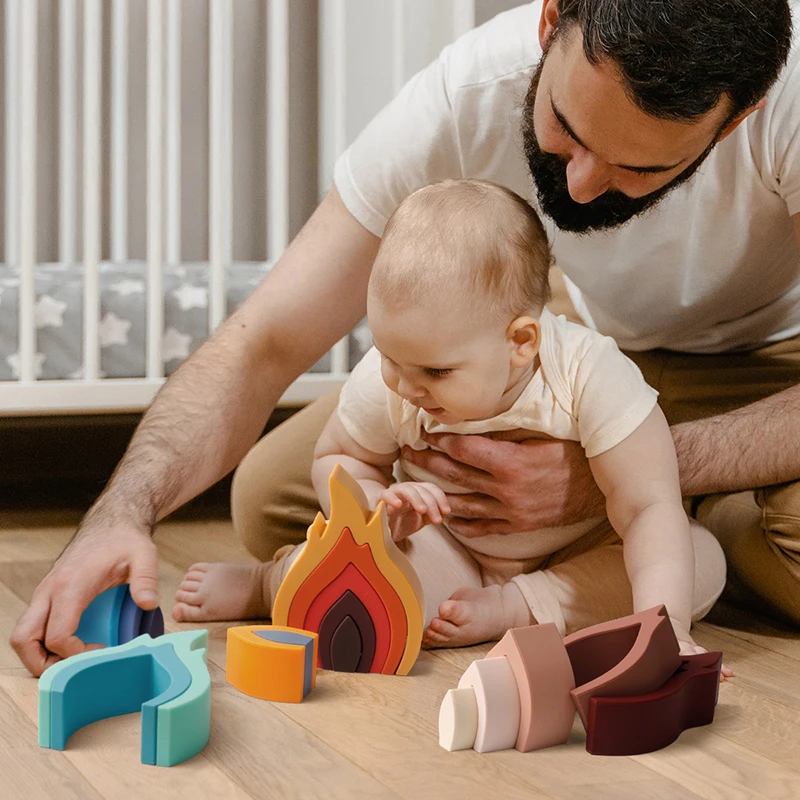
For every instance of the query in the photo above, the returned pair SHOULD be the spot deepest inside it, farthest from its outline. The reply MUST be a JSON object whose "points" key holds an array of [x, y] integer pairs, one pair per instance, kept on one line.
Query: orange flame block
{"points": [[353, 586]]}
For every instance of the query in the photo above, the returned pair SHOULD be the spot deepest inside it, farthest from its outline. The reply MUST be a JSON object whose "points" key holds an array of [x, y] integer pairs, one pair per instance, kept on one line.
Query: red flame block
{"points": [[353, 581], [353, 586], [629, 726]]}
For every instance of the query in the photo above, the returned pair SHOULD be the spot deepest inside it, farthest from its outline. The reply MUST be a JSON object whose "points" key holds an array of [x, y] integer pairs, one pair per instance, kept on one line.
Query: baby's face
{"points": [[454, 365]]}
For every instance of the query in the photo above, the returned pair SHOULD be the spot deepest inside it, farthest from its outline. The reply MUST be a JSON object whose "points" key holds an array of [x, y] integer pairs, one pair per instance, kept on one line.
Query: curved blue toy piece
{"points": [[152, 623], [130, 619], [113, 618], [100, 622]]}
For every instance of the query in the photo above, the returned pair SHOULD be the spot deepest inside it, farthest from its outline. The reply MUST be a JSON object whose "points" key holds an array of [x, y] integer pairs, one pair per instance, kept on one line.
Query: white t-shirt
{"points": [[713, 267], [585, 390]]}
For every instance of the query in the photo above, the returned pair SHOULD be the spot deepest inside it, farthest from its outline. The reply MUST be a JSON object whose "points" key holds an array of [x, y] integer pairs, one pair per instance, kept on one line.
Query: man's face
{"points": [[598, 160]]}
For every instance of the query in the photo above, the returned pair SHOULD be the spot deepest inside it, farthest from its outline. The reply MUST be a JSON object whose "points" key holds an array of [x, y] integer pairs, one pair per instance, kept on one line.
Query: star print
{"points": [[191, 297], [13, 361], [175, 345], [127, 287], [49, 313], [114, 330]]}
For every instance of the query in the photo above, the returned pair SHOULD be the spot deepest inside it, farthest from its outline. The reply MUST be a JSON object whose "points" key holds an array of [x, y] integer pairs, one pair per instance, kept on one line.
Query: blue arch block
{"points": [[167, 679], [113, 618]]}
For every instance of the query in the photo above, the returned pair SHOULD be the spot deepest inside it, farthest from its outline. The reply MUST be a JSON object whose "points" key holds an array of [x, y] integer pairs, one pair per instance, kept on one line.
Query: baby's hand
{"points": [[411, 505], [689, 648]]}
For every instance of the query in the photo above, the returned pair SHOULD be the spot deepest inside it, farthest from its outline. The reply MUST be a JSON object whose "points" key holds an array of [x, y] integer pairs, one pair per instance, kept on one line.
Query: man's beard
{"points": [[549, 172]]}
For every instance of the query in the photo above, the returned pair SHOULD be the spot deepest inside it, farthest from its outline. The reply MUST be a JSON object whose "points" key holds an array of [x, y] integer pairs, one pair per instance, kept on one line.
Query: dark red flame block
{"points": [[625, 657], [629, 726], [351, 579], [347, 636]]}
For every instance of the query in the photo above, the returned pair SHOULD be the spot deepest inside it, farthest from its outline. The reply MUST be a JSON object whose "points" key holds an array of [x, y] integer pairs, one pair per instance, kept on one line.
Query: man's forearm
{"points": [[200, 425], [743, 449]]}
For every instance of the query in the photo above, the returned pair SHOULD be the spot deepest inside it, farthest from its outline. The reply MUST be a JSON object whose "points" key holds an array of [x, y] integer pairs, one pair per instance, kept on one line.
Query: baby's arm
{"points": [[373, 471], [639, 478]]}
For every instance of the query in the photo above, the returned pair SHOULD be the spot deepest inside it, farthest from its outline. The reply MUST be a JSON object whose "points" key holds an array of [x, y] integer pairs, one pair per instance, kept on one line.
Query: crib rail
{"points": [[93, 181]]}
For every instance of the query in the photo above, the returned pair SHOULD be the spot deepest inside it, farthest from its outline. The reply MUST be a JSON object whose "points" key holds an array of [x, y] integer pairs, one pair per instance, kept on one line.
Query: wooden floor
{"points": [[375, 736]]}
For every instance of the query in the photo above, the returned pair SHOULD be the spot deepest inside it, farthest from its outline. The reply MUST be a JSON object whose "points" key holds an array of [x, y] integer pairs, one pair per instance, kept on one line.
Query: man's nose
{"points": [[587, 178]]}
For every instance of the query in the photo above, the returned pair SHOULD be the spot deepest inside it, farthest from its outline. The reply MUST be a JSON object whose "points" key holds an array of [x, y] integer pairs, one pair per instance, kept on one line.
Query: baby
{"points": [[464, 344]]}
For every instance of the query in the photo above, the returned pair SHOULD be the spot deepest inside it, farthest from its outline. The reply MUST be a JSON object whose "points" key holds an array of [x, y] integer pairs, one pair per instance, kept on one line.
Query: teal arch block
{"points": [[113, 618], [166, 678], [100, 621]]}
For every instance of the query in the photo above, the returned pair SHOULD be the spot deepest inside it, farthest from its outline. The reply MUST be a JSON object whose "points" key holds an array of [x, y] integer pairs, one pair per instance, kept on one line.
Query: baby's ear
{"points": [[524, 335]]}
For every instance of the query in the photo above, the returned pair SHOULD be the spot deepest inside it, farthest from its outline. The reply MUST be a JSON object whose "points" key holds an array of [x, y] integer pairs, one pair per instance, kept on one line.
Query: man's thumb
{"points": [[143, 581]]}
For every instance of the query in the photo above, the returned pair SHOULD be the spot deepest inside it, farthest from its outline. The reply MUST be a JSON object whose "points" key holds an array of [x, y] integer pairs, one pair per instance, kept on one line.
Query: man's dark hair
{"points": [[678, 57]]}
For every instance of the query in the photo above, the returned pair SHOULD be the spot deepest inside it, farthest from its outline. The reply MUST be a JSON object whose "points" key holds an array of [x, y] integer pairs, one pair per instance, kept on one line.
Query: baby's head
{"points": [[455, 296]]}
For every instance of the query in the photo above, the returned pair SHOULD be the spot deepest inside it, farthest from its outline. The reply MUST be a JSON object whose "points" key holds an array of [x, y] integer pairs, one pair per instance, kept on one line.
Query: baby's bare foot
{"points": [[471, 616], [224, 591]]}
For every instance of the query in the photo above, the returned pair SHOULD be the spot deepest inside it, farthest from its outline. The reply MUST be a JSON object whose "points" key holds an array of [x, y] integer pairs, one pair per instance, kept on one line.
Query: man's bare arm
{"points": [[213, 408], [201, 423], [742, 449], [745, 448]]}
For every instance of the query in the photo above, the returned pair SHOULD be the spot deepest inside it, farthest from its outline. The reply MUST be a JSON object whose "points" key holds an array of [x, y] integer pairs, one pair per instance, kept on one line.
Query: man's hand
{"points": [[516, 483], [411, 505], [99, 557]]}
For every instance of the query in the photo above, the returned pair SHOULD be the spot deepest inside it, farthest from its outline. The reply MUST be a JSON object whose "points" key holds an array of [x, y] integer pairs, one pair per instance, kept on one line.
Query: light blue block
{"points": [[167, 679]]}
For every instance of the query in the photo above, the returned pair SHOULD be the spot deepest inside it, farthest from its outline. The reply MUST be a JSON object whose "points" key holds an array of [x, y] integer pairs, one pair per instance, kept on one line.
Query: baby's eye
{"points": [[437, 373]]}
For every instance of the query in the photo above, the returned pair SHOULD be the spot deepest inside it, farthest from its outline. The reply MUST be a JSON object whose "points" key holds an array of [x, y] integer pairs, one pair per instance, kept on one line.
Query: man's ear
{"points": [[524, 335], [739, 119], [547, 22]]}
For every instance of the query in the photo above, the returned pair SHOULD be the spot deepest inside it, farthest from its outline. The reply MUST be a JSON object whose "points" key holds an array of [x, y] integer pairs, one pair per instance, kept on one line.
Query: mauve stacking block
{"points": [[632, 655], [628, 726], [544, 678]]}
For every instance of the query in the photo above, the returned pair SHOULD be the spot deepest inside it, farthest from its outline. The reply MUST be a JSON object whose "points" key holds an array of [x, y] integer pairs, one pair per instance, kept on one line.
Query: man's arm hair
{"points": [[211, 411], [742, 449]]}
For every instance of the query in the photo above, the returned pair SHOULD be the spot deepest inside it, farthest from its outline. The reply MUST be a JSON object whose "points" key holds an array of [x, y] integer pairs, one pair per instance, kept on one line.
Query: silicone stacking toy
{"points": [[353, 586], [633, 691], [271, 662], [166, 679], [113, 618]]}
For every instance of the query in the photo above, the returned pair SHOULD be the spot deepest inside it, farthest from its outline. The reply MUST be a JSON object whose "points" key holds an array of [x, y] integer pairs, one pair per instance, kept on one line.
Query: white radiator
{"points": [[91, 43]]}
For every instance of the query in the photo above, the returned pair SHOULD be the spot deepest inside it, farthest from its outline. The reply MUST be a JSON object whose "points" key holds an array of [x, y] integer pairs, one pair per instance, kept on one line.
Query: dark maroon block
{"points": [[628, 726], [347, 636]]}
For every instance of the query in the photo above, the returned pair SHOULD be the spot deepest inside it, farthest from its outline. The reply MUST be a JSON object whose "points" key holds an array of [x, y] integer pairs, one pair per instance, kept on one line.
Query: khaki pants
{"points": [[273, 503]]}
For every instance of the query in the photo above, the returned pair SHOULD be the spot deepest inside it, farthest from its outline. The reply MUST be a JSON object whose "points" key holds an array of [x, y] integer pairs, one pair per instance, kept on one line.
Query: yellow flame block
{"points": [[370, 531]]}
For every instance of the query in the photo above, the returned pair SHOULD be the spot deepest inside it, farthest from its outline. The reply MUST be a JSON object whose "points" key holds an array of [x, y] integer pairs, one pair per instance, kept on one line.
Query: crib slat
{"points": [[119, 131], [68, 131], [398, 45], [221, 143], [332, 89], [12, 76], [173, 132], [155, 188], [92, 79], [27, 236], [277, 128]]}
